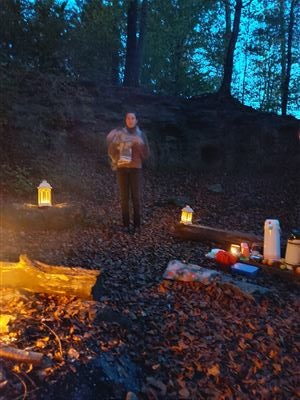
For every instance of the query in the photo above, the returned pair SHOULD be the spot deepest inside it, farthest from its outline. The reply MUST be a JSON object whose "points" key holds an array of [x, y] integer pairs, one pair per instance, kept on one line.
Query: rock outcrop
{"points": [[45, 116]]}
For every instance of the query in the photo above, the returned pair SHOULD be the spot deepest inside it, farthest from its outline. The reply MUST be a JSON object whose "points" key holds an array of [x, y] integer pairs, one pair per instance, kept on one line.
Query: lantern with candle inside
{"points": [[44, 194], [245, 250], [186, 215], [235, 250]]}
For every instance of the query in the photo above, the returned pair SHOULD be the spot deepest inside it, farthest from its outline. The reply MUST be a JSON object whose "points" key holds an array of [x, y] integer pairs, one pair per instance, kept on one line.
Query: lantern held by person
{"points": [[186, 215], [44, 194]]}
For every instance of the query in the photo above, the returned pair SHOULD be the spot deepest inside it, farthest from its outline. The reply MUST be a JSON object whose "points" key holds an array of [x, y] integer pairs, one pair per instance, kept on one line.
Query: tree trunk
{"points": [[282, 44], [42, 278], [227, 22], [246, 59], [115, 59], [225, 88], [141, 41], [115, 80], [286, 82], [130, 76], [213, 235]]}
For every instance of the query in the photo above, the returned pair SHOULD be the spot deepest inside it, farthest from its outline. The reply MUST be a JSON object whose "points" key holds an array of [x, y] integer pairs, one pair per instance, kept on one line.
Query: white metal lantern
{"points": [[44, 194], [186, 215]]}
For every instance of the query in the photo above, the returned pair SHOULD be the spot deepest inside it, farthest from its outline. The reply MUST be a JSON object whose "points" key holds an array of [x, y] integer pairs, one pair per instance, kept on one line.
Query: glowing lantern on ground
{"points": [[186, 215], [235, 249], [44, 194]]}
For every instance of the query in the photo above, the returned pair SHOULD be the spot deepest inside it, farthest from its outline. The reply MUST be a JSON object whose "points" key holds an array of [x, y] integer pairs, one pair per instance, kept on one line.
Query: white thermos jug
{"points": [[272, 240]]}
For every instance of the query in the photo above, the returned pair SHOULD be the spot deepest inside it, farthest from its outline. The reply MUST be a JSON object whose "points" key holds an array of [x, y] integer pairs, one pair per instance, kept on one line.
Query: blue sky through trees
{"points": [[258, 54]]}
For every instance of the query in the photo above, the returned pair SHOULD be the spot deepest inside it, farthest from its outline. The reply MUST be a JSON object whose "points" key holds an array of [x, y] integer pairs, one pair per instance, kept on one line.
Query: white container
{"points": [[272, 240], [292, 254]]}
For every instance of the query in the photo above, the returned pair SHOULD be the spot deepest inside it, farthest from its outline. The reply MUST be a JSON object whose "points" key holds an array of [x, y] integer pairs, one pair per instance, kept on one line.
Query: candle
{"points": [[235, 250]]}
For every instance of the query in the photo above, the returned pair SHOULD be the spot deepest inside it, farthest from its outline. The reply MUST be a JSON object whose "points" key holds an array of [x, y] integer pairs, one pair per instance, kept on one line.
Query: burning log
{"points": [[36, 276], [213, 235]]}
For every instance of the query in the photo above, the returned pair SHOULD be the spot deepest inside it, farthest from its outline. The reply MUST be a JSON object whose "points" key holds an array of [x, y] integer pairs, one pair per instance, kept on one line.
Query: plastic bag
{"points": [[178, 271]]}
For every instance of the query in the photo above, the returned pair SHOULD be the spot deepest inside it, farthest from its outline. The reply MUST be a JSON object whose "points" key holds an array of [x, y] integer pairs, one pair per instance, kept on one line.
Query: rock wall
{"points": [[53, 117]]}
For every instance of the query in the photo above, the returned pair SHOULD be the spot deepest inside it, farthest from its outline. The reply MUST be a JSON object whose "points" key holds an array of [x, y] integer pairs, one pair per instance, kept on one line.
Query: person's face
{"points": [[131, 120]]}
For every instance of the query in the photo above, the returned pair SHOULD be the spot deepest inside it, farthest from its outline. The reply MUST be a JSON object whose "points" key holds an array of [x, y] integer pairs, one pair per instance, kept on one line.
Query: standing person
{"points": [[127, 148]]}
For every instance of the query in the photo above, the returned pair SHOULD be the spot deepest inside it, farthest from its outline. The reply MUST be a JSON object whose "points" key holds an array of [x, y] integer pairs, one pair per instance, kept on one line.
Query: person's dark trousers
{"points": [[129, 180]]}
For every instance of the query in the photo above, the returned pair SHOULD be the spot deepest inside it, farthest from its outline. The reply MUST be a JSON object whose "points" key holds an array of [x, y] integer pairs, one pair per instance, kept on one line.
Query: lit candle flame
{"points": [[235, 249]]}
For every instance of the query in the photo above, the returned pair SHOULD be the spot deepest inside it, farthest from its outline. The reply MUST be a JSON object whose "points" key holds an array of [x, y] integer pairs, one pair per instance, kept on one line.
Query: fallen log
{"points": [[224, 238], [36, 276], [30, 357], [275, 270], [214, 235]]}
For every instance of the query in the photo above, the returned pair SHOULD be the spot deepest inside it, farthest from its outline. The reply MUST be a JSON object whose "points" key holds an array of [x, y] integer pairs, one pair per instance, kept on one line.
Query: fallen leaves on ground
{"points": [[186, 341]]}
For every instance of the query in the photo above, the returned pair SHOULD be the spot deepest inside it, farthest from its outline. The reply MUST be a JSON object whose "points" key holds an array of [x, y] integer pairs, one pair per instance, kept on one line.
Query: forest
{"points": [[247, 48]]}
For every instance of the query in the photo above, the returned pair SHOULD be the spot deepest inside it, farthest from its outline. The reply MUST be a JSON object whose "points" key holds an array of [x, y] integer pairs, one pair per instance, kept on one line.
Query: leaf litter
{"points": [[172, 340]]}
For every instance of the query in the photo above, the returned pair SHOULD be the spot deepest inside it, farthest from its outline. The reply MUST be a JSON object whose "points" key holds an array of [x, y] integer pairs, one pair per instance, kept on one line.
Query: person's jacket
{"points": [[127, 149]]}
